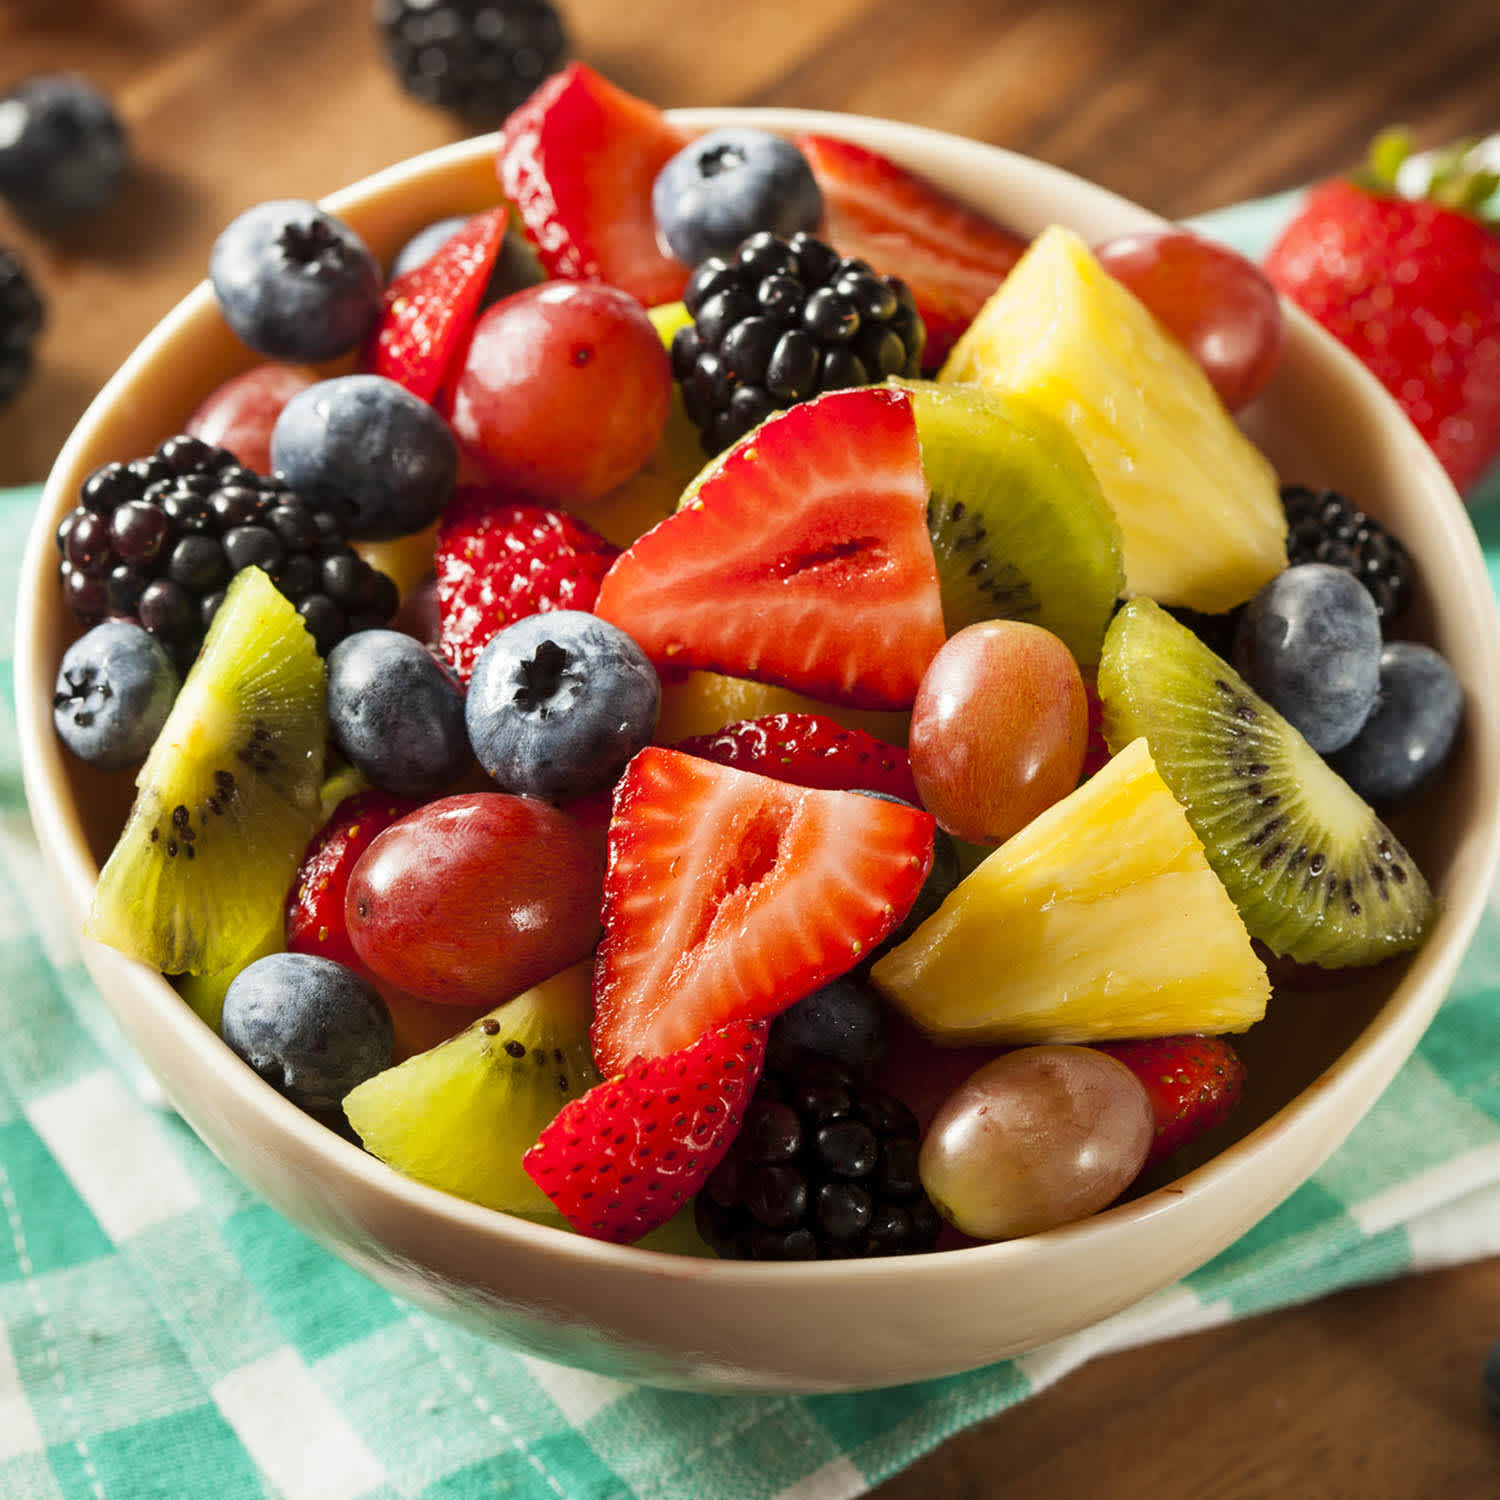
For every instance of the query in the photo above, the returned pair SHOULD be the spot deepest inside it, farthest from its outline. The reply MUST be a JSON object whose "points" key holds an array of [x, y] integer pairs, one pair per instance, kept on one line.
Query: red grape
{"points": [[998, 729], [564, 391], [1039, 1137], [240, 414], [1210, 298], [474, 898]]}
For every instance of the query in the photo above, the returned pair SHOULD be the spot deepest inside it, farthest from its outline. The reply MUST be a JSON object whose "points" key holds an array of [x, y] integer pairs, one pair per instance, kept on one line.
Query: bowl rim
{"points": [[1310, 1120]]}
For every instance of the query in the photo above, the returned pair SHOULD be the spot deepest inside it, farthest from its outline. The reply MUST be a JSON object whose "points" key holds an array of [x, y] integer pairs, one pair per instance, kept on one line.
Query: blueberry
{"points": [[1309, 644], [63, 151], [115, 688], [1412, 729], [845, 1021], [515, 266], [396, 713], [1491, 1383], [728, 185], [312, 1028], [295, 283], [559, 702], [369, 442]]}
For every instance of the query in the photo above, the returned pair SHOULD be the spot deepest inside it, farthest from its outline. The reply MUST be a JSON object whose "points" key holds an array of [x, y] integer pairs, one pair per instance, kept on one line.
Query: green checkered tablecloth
{"points": [[164, 1334]]}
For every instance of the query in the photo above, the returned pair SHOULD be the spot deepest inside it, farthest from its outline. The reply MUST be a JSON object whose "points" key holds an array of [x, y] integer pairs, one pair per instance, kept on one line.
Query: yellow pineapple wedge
{"points": [[1197, 502], [1101, 919]]}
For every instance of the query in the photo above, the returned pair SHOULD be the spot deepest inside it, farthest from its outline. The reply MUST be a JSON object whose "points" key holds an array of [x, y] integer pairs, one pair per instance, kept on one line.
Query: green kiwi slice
{"points": [[1019, 525], [227, 798], [1315, 874], [461, 1116]]}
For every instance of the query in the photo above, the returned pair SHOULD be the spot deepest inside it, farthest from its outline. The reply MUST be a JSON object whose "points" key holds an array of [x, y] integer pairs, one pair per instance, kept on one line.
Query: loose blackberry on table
{"points": [[21, 317], [781, 321], [156, 540], [476, 58], [824, 1168], [1325, 526]]}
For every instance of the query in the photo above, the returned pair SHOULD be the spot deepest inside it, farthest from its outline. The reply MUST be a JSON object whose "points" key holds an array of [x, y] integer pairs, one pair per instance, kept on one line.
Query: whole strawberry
{"points": [[498, 560], [809, 750], [1194, 1083], [1412, 286]]}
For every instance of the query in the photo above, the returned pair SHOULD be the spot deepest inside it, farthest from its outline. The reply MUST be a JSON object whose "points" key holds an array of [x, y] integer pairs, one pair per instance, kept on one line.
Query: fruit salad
{"points": [[757, 713]]}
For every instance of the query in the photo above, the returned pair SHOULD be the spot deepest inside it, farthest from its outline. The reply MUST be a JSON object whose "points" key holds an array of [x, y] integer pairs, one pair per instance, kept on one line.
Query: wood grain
{"points": [[1184, 107]]}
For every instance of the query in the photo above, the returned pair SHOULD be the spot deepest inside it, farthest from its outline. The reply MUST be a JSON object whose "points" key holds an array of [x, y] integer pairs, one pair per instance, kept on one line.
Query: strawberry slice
{"points": [[1194, 1082], [622, 1159], [498, 560], [578, 160], [730, 896], [808, 750], [426, 314], [950, 255], [802, 560], [315, 904]]}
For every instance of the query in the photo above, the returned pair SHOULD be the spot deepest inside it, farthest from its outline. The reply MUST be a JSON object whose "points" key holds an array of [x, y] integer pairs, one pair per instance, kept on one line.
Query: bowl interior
{"points": [[1322, 421]]}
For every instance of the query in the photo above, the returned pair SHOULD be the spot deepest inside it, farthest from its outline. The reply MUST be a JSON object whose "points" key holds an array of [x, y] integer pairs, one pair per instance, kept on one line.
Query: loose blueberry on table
{"points": [[830, 785]]}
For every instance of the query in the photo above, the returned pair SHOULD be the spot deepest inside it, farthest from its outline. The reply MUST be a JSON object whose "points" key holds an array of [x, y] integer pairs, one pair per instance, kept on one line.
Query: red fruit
{"points": [[240, 414], [808, 750], [621, 1160], [472, 899], [499, 560], [563, 391], [1413, 288], [578, 160], [730, 896], [950, 255], [1096, 752], [426, 314], [802, 560], [1194, 1082], [315, 904], [1212, 300]]}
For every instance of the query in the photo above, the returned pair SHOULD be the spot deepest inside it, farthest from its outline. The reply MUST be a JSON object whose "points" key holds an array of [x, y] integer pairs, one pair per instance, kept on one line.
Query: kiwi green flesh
{"points": [[1315, 874], [1019, 526], [461, 1116], [228, 797]]}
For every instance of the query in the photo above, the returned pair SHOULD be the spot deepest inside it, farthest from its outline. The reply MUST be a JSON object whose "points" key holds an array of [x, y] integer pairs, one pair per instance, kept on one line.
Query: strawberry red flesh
{"points": [[1194, 1083], [729, 896], [499, 559], [802, 560], [1413, 289], [427, 314], [578, 160], [315, 904], [809, 750], [950, 255], [622, 1159]]}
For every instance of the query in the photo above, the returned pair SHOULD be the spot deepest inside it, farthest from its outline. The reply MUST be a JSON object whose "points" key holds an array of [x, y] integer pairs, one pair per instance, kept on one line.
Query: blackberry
{"points": [[1324, 526], [476, 58], [783, 320], [20, 322], [823, 1168], [157, 540]]}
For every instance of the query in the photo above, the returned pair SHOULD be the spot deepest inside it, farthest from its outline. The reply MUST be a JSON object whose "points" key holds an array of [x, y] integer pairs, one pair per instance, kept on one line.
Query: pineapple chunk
{"points": [[1197, 502], [1101, 919]]}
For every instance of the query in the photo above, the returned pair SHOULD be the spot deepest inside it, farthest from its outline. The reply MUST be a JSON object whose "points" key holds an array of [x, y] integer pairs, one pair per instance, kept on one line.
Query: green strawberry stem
{"points": [[1458, 179]]}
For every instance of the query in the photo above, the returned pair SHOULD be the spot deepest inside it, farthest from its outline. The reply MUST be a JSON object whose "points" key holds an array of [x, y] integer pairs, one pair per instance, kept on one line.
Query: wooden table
{"points": [[1370, 1394]]}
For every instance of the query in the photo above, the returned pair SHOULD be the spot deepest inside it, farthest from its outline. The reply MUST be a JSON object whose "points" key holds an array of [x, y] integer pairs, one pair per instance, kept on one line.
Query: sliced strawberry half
{"points": [[1194, 1083], [730, 896], [809, 750], [622, 1159], [315, 904], [950, 255], [427, 314], [803, 559], [578, 160], [498, 559]]}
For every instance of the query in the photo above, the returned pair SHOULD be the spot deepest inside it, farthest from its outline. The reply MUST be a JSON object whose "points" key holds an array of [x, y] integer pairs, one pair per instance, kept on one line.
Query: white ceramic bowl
{"points": [[1316, 1064]]}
